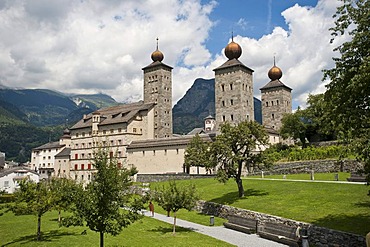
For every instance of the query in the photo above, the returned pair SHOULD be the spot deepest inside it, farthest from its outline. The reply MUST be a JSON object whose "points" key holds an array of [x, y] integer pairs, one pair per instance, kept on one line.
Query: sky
{"points": [[101, 46]]}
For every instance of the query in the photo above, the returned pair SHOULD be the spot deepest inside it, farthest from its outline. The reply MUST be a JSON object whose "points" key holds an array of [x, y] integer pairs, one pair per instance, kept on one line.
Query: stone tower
{"points": [[158, 89], [276, 99], [233, 89]]}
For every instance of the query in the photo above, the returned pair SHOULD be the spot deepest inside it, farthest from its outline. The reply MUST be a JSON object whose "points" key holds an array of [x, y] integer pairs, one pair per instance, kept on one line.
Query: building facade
{"points": [[276, 99], [233, 89]]}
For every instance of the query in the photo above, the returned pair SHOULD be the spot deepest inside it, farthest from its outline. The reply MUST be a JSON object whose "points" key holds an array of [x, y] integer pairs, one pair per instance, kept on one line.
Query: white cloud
{"points": [[100, 46]]}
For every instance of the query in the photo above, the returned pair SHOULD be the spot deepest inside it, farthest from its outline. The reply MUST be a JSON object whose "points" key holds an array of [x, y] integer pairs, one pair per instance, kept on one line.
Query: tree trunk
{"points": [[238, 180], [240, 187], [38, 227], [59, 216], [174, 223], [101, 239]]}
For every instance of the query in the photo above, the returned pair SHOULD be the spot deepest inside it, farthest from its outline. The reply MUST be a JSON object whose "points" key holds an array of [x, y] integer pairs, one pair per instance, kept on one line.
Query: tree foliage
{"points": [[235, 148], [197, 153], [348, 90], [106, 205], [173, 198], [33, 198]]}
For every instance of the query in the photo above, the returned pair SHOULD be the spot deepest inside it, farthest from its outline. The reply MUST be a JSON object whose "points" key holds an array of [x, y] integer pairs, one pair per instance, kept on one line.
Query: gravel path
{"points": [[221, 233]]}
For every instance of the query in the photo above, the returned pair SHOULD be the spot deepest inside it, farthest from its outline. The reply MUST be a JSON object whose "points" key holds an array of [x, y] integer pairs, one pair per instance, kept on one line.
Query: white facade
{"points": [[10, 178]]}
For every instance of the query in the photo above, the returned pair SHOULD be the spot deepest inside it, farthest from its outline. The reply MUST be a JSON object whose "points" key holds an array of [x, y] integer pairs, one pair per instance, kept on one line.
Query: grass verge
{"points": [[21, 230], [337, 206]]}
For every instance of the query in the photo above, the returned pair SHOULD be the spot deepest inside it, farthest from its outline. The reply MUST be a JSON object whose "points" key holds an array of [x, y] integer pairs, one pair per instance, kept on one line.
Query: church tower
{"points": [[233, 89], [276, 99], [158, 90]]}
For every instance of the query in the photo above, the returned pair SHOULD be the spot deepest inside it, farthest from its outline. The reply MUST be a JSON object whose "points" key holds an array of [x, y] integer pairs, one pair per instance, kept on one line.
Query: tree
{"points": [[64, 191], [174, 198], [196, 153], [106, 205], [33, 198], [294, 127], [237, 147], [348, 89]]}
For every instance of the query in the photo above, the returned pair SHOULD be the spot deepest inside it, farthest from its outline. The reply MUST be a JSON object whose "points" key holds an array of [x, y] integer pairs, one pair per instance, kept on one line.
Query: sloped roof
{"points": [[157, 63], [6, 172], [275, 84], [164, 142], [114, 114], [65, 152], [196, 131], [49, 145], [232, 63]]}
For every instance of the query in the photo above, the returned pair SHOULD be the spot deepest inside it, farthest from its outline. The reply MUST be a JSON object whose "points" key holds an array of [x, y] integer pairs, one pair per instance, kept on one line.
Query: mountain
{"points": [[49, 108], [32, 117], [198, 103]]}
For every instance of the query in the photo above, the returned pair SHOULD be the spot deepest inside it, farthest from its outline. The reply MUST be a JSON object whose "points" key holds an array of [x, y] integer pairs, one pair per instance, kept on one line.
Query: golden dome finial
{"points": [[275, 72], [233, 50], [157, 55]]}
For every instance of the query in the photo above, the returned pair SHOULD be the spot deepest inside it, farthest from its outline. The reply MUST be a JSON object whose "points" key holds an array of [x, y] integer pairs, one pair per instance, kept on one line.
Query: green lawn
{"points": [[342, 176], [21, 231], [343, 207]]}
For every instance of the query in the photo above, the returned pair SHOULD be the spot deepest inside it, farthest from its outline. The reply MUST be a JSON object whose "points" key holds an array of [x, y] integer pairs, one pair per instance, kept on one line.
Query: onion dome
{"points": [[157, 55], [233, 50], [275, 72]]}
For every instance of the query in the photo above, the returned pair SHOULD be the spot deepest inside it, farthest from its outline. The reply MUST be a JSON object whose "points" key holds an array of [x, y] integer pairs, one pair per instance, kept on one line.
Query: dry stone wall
{"points": [[318, 166]]}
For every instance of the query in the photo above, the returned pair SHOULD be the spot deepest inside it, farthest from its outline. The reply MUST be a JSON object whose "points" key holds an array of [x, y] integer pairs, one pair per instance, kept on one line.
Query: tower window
{"points": [[223, 118], [231, 86], [223, 103], [267, 104], [232, 117], [247, 117], [223, 88], [272, 103], [277, 102], [231, 102], [273, 116]]}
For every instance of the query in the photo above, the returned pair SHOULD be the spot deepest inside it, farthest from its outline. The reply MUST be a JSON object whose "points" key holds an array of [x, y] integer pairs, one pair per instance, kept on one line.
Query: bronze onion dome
{"points": [[233, 50], [157, 55]]}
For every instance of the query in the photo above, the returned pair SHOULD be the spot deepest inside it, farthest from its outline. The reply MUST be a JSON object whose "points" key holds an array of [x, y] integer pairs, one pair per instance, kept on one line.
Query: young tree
{"points": [[33, 198], [196, 153], [294, 127], [236, 147], [174, 198], [349, 88], [64, 191], [100, 204]]}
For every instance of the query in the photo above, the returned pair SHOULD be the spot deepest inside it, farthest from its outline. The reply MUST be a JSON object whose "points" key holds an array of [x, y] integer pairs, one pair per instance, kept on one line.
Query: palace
{"points": [[140, 134]]}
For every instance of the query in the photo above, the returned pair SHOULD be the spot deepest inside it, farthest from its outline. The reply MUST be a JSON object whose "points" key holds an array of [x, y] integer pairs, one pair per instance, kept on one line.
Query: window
{"points": [[231, 102], [273, 116], [89, 177], [76, 134], [177, 151], [154, 152], [119, 130], [76, 167], [232, 117], [111, 131], [143, 153], [6, 183], [82, 177], [104, 132], [267, 104], [222, 88], [89, 166], [165, 152], [277, 102], [134, 130], [76, 156], [82, 167], [231, 86], [223, 103], [272, 103], [83, 134], [223, 118], [75, 177], [110, 154]]}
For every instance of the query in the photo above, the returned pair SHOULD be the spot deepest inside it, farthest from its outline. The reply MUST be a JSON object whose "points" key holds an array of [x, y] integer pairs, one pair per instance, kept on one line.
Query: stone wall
{"points": [[317, 236], [147, 178], [318, 166]]}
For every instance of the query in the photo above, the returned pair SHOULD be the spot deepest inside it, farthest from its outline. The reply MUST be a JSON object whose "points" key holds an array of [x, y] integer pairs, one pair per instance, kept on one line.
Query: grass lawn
{"points": [[342, 176], [21, 230], [343, 207]]}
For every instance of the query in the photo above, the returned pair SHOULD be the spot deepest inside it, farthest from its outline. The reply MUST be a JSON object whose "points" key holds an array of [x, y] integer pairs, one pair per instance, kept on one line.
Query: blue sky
{"points": [[100, 46], [253, 18]]}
